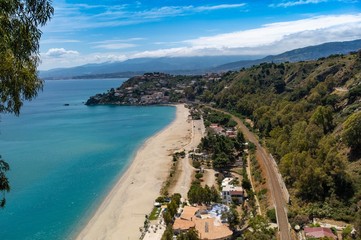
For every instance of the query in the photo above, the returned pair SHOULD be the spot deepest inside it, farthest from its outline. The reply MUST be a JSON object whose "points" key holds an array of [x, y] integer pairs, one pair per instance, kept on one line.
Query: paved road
{"points": [[274, 185]]}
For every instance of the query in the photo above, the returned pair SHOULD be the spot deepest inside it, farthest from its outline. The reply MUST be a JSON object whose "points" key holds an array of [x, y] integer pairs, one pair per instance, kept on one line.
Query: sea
{"points": [[65, 157]]}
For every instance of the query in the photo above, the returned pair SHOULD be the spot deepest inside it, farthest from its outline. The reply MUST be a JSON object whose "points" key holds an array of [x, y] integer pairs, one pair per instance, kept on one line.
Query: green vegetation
{"points": [[352, 131], [172, 173], [4, 183], [308, 115], [191, 234], [232, 218], [271, 214], [20, 33], [211, 116], [307, 124], [172, 207], [224, 150], [260, 230], [168, 233], [154, 214], [198, 194]]}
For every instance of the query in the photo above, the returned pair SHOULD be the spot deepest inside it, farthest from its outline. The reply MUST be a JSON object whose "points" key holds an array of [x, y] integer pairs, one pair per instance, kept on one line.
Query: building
{"points": [[231, 192], [207, 223], [184, 222], [189, 212], [212, 229], [319, 232]]}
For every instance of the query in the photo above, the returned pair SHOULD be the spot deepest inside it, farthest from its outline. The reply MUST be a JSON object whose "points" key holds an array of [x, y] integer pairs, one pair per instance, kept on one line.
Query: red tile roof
{"points": [[319, 232]]}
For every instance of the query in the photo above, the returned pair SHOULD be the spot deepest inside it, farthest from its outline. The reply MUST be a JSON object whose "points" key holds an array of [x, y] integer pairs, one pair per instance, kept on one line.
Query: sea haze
{"points": [[65, 159]]}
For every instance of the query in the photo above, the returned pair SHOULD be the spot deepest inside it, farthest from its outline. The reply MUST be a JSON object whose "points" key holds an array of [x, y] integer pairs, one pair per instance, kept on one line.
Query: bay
{"points": [[65, 156]]}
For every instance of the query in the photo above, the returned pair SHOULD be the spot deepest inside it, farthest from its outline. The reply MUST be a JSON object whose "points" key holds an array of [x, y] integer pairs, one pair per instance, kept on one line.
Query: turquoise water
{"points": [[65, 159]]}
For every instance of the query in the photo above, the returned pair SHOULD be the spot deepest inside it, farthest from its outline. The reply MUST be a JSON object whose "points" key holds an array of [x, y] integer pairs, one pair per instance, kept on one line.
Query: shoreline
{"points": [[123, 210]]}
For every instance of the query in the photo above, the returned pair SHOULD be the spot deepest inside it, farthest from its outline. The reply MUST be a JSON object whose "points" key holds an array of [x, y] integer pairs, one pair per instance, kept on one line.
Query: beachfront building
{"points": [[212, 229], [208, 223], [230, 193], [184, 222]]}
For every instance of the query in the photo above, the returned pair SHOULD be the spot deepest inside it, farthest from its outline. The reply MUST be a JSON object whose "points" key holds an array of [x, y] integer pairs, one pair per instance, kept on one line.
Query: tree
{"points": [[4, 183], [192, 234], [323, 118], [20, 22], [232, 217], [168, 233], [261, 230], [352, 131], [19, 52], [215, 197]]}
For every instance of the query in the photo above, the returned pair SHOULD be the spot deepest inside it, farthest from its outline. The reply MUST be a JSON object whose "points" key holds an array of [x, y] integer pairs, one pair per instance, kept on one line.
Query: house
{"points": [[212, 229], [181, 225], [189, 212], [319, 232], [231, 192], [207, 223], [217, 129], [231, 133]]}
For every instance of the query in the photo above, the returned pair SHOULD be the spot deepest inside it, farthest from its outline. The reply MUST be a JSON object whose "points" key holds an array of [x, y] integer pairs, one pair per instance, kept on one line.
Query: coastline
{"points": [[123, 210]]}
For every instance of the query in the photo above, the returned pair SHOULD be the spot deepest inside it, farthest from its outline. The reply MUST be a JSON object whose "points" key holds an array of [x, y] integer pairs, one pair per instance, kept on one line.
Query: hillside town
{"points": [[155, 88]]}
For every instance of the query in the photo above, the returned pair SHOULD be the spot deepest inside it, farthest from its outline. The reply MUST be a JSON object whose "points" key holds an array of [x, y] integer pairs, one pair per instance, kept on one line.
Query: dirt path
{"points": [[209, 178], [186, 169]]}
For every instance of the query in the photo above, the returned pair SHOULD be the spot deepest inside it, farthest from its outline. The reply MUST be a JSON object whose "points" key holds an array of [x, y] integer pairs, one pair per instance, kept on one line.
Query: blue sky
{"points": [[84, 32]]}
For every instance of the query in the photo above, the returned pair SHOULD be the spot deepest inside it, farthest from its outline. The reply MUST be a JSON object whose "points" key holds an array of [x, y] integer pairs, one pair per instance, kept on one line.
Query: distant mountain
{"points": [[301, 54], [196, 65], [128, 68]]}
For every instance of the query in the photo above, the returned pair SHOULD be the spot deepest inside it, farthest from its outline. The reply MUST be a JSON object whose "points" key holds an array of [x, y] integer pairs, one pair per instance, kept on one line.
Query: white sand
{"points": [[124, 209]]}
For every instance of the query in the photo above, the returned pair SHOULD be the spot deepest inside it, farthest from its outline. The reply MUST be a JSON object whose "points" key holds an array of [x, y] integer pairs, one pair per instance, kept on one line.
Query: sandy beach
{"points": [[124, 209]]}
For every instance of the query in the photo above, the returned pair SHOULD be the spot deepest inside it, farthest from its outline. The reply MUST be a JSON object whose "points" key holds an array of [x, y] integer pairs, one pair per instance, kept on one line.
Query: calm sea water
{"points": [[65, 159]]}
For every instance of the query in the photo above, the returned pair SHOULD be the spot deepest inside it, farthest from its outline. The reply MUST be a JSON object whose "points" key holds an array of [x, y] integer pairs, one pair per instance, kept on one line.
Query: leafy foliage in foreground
{"points": [[20, 33]]}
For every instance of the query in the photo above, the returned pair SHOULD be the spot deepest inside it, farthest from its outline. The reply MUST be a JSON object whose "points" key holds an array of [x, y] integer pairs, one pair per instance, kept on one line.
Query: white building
{"points": [[230, 191]]}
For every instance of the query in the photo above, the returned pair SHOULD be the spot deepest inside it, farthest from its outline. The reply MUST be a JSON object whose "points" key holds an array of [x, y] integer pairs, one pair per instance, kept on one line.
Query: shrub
{"points": [[199, 175]]}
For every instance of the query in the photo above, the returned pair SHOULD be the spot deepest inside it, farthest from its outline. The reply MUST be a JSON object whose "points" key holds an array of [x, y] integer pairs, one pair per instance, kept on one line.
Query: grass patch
{"points": [[155, 213]]}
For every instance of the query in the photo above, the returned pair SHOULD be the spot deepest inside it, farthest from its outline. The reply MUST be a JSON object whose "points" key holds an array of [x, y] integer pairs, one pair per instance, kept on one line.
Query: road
{"points": [[186, 169], [274, 185]]}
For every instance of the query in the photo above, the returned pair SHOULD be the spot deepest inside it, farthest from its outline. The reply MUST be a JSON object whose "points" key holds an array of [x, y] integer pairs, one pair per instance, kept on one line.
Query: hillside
{"points": [[301, 54], [307, 113], [138, 66]]}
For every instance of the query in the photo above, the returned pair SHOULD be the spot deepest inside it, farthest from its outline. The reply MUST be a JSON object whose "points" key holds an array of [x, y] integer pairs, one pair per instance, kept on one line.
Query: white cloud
{"points": [[66, 15], [50, 62], [271, 38], [268, 39], [60, 52], [116, 45], [55, 40], [270, 33], [286, 4], [295, 3], [221, 6]]}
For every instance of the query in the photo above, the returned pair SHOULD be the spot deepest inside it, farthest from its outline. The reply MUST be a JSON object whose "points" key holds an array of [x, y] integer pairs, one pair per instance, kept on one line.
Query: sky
{"points": [[83, 32]]}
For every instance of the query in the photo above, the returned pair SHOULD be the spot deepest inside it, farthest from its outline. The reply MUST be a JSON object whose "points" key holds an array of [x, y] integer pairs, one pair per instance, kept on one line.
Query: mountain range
{"points": [[196, 65]]}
